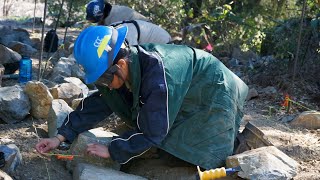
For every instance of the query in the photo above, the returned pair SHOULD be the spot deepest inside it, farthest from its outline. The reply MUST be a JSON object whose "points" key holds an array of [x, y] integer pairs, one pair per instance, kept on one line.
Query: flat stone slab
{"points": [[90, 172], [79, 147]]}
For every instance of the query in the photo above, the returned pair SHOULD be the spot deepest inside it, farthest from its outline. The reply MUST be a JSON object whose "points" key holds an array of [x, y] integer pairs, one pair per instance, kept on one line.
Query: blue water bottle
{"points": [[25, 70]]}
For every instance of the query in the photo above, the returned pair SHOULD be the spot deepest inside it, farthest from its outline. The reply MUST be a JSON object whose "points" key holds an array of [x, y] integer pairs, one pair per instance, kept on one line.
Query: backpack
{"points": [[51, 37], [129, 21]]}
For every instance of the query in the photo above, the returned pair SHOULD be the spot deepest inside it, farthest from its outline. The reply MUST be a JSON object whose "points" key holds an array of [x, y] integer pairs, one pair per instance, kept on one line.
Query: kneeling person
{"points": [[180, 99]]}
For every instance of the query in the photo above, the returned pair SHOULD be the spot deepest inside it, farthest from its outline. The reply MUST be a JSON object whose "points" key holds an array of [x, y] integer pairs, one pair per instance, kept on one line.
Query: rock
{"points": [[244, 57], [48, 83], [251, 138], [4, 176], [287, 119], [14, 104], [76, 102], [21, 48], [265, 163], [66, 91], [252, 94], [79, 83], [12, 157], [233, 62], [1, 73], [63, 68], [8, 55], [79, 146], [9, 59], [40, 98], [36, 42], [68, 42], [6, 141], [70, 49], [7, 35], [76, 71], [58, 79], [270, 90], [308, 119], [58, 111], [86, 171]]}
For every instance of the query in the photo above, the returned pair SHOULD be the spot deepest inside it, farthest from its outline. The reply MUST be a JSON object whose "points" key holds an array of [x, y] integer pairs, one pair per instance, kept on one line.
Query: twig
{"points": [[38, 141], [35, 130]]}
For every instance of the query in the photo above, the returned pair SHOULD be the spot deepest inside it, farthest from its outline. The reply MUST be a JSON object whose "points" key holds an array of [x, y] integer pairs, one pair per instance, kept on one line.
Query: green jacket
{"points": [[204, 105]]}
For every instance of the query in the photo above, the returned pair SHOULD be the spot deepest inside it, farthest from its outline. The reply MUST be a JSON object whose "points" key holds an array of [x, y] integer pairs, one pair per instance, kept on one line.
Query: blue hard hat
{"points": [[95, 10], [96, 47]]}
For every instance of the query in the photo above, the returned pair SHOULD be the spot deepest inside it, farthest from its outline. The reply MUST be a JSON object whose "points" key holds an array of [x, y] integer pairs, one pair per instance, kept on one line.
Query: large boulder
{"points": [[40, 97], [14, 104], [61, 70], [67, 92], [9, 59], [12, 157], [7, 35], [79, 83], [21, 48], [308, 119], [265, 163]]}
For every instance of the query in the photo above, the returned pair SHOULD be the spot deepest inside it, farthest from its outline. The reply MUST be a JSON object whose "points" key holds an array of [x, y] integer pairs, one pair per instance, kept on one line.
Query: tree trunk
{"points": [[34, 15], [298, 42], [4, 8]]}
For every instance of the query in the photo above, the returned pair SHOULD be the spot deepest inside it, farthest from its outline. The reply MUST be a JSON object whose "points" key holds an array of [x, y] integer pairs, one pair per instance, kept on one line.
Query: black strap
{"points": [[129, 21], [194, 55]]}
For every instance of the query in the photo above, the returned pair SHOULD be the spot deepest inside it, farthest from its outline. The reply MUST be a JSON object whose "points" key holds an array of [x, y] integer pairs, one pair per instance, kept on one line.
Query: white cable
{"points": [[82, 105]]}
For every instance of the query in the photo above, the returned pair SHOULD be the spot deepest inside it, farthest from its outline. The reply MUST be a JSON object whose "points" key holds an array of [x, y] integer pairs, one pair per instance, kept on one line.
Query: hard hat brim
{"points": [[92, 77]]}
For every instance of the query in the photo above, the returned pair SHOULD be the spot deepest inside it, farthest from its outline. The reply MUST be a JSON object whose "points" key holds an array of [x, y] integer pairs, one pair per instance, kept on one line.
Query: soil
{"points": [[300, 144]]}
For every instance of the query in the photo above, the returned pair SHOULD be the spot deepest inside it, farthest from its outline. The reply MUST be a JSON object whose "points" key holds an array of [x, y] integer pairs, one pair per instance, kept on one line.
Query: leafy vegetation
{"points": [[76, 15], [262, 26]]}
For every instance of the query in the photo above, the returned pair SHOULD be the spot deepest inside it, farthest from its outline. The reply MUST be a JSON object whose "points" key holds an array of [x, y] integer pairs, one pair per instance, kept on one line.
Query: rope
{"points": [[287, 101], [68, 117], [300, 105]]}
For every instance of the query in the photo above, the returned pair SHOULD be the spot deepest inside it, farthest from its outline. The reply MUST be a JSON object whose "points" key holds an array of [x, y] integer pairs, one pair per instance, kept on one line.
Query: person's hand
{"points": [[45, 145], [98, 150]]}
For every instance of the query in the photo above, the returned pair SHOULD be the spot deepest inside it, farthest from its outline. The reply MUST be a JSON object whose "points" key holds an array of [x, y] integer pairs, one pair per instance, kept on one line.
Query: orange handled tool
{"points": [[62, 156]]}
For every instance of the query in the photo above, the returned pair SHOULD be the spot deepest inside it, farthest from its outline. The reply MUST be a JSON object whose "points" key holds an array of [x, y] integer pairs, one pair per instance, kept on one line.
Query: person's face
{"points": [[111, 79]]}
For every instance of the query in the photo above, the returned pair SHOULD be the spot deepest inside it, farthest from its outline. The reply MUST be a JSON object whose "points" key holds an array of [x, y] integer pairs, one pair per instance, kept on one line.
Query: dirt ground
{"points": [[300, 144]]}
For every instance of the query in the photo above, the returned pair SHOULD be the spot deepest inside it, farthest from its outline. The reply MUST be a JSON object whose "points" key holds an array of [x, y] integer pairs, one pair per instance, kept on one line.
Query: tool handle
{"points": [[212, 173]]}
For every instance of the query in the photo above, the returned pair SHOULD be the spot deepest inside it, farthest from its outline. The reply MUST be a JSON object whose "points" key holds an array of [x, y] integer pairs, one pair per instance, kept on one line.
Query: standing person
{"points": [[180, 99], [139, 31], [103, 13]]}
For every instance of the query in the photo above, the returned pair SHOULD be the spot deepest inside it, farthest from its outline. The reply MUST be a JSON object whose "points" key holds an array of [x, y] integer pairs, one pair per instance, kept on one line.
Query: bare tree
{"points": [[34, 14], [7, 4]]}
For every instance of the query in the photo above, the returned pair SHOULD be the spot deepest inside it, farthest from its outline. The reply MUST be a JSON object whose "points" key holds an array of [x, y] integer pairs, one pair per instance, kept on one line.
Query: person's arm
{"points": [[89, 113], [152, 120]]}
